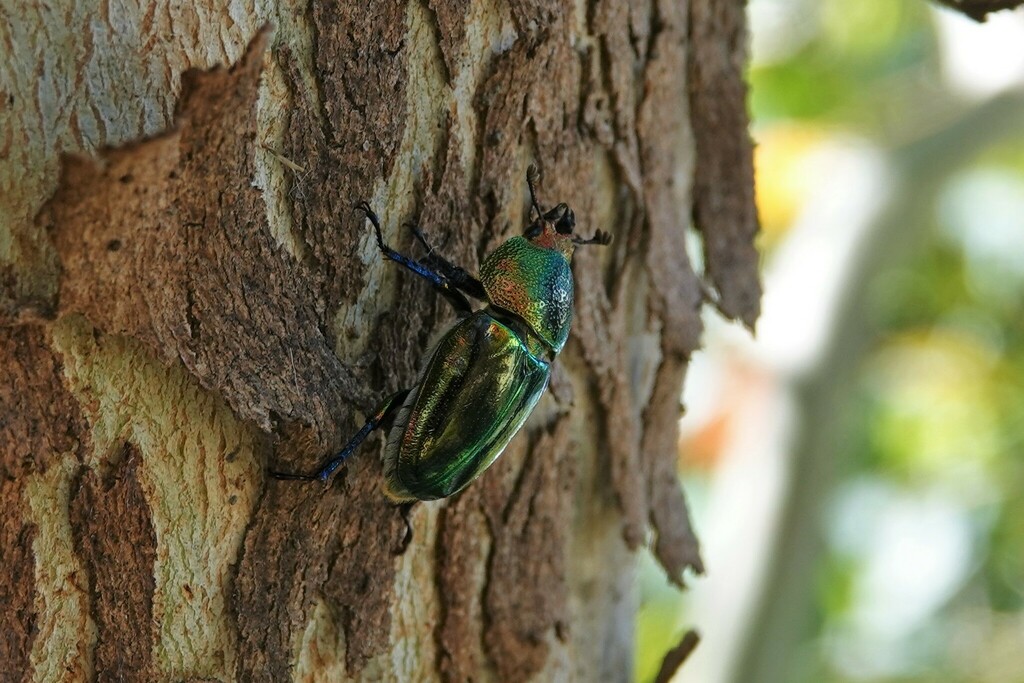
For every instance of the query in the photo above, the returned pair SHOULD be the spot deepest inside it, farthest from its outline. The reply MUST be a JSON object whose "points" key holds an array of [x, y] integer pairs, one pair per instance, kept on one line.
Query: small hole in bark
{"points": [[127, 178], [114, 245]]}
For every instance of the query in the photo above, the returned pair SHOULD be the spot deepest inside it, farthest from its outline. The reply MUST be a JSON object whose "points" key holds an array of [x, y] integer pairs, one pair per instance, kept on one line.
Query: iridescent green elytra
{"points": [[488, 371], [478, 388]]}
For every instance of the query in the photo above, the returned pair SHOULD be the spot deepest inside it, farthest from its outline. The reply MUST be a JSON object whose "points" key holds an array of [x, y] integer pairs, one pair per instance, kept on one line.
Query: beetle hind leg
{"points": [[384, 411]]}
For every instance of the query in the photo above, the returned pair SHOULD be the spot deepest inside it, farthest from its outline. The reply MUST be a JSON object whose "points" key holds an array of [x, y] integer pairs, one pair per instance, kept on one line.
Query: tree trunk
{"points": [[187, 298]]}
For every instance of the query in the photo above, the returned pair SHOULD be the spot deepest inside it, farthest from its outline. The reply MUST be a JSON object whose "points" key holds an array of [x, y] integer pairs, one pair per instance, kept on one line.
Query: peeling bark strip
{"points": [[675, 543], [676, 656], [113, 534], [641, 408], [166, 240], [980, 9], [724, 208], [39, 422], [17, 589], [526, 598], [503, 551], [40, 419], [674, 296], [461, 549], [346, 126]]}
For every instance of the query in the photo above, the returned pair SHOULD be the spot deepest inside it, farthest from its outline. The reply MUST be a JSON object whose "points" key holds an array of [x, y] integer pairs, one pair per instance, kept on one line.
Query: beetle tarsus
{"points": [[600, 238]]}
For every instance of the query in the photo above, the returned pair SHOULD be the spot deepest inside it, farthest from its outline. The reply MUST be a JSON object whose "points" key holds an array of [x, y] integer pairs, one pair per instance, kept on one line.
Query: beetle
{"points": [[487, 373]]}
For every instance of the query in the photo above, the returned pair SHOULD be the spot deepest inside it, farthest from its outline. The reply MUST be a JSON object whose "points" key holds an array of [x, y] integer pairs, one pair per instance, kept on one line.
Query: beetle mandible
{"points": [[489, 370]]}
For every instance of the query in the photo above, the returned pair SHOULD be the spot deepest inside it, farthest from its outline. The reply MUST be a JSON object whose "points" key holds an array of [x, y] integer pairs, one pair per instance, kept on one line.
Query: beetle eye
{"points": [[534, 230], [556, 213], [566, 223], [563, 218]]}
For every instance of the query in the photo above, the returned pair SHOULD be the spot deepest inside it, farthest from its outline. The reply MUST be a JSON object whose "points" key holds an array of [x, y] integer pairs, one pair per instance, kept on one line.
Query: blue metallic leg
{"points": [[456, 275], [440, 282], [383, 412]]}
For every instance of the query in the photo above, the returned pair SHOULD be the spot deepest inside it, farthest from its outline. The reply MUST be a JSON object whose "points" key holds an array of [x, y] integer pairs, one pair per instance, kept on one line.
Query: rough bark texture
{"points": [[187, 297], [42, 424], [723, 206], [110, 523]]}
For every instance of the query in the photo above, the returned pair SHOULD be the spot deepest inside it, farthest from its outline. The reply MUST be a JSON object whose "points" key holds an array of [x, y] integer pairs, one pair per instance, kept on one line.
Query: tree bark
{"points": [[187, 298]]}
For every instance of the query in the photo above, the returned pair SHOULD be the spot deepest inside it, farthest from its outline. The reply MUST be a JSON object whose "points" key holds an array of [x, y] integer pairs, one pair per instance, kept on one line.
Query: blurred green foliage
{"points": [[937, 412], [843, 69]]}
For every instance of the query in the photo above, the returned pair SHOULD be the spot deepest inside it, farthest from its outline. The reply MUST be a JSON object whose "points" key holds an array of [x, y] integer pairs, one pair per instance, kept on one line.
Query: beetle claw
{"points": [[404, 509], [364, 206]]}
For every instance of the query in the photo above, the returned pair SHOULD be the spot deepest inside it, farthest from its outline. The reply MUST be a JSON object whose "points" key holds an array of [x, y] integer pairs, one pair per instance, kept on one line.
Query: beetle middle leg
{"points": [[441, 283], [384, 411]]}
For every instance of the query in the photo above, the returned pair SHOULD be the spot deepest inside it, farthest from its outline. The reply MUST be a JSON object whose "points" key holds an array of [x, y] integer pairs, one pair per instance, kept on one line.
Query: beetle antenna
{"points": [[532, 176], [600, 237]]}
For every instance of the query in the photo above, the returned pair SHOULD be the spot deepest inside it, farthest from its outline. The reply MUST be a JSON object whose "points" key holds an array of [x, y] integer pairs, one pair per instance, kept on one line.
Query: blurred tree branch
{"points": [[783, 618], [979, 9]]}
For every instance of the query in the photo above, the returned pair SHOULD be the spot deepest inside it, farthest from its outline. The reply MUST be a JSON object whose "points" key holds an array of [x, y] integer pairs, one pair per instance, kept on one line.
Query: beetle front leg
{"points": [[453, 273], [438, 280], [383, 412]]}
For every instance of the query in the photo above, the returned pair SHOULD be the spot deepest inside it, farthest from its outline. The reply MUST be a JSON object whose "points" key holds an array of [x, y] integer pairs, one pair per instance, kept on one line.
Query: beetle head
{"points": [[554, 229], [530, 276]]}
